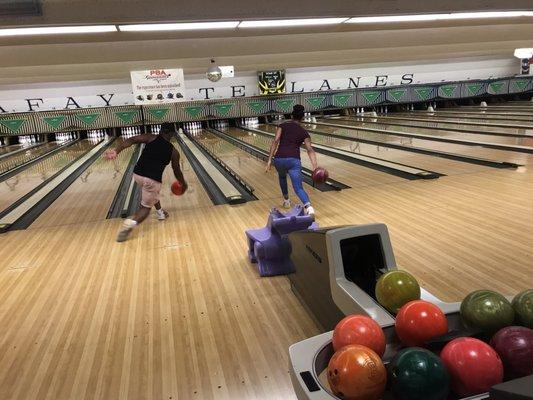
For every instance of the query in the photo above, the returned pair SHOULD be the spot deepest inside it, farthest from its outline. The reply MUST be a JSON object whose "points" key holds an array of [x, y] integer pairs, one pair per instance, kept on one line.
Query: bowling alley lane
{"points": [[399, 120], [426, 130], [474, 151], [89, 197], [9, 149], [17, 159], [22, 183], [427, 162], [194, 197], [251, 169], [526, 119], [483, 116], [348, 173]]}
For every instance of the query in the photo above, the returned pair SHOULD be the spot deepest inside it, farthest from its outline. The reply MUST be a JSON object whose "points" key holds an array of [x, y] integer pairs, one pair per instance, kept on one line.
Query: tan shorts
{"points": [[149, 190]]}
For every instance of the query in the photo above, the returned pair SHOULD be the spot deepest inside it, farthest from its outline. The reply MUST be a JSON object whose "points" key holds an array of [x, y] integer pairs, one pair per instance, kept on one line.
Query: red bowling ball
{"points": [[514, 345], [473, 365], [320, 175], [419, 321], [177, 188], [359, 329]]}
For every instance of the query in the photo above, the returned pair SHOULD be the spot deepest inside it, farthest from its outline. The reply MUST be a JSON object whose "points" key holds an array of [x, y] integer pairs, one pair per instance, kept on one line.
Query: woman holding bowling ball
{"points": [[285, 154]]}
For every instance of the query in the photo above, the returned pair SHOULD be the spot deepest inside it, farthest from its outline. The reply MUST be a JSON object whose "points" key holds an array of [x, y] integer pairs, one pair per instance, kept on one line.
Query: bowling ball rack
{"points": [[336, 270]]}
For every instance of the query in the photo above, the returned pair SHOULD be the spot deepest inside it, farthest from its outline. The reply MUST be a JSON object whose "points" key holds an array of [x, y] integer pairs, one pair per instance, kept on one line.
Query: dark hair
{"points": [[167, 127], [298, 112]]}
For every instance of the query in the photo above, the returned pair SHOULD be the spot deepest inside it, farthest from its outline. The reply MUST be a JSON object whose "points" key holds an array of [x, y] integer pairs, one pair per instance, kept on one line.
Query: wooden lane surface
{"points": [[89, 197], [20, 158], [470, 118], [251, 169], [7, 149], [178, 312], [448, 134], [427, 162], [195, 197], [171, 314], [427, 125], [22, 183], [343, 171], [475, 151]]}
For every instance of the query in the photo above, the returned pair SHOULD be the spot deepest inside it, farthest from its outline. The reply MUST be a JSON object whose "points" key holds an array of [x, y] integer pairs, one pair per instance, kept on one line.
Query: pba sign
{"points": [[158, 86]]}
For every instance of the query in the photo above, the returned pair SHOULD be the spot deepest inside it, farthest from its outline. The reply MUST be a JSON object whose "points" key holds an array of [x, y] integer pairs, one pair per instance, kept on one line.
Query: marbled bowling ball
{"points": [[396, 288], [487, 311], [473, 365], [514, 345], [523, 307], [320, 175], [357, 373], [359, 329], [418, 374]]}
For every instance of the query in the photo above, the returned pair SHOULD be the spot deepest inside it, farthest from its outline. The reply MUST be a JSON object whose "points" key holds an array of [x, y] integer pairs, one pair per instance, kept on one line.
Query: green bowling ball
{"points": [[418, 374], [396, 288], [487, 311], [523, 307]]}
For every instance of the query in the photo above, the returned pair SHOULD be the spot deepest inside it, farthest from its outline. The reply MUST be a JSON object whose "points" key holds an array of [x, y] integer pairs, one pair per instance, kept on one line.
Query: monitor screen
{"points": [[363, 261]]}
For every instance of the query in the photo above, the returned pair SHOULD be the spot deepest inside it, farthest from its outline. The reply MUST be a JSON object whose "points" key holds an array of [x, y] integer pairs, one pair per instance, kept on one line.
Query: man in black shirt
{"points": [[148, 173]]}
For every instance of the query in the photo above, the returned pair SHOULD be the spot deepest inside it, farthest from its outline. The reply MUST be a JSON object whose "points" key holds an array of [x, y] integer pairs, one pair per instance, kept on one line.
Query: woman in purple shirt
{"points": [[285, 151]]}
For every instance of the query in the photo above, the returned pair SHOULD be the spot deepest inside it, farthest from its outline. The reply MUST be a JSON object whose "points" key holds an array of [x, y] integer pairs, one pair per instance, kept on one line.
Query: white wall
{"points": [[39, 97]]}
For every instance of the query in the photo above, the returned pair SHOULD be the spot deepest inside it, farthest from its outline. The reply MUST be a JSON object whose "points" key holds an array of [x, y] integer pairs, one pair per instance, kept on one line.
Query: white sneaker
{"points": [[310, 210], [125, 230], [161, 214], [286, 203]]}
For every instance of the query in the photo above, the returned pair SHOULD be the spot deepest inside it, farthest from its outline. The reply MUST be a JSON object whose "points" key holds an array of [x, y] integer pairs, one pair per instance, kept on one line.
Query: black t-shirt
{"points": [[154, 159], [292, 137]]}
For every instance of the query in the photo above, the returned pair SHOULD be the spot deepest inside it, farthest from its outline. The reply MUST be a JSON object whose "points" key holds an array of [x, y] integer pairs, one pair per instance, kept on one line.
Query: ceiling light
{"points": [[435, 17], [57, 30], [290, 22], [523, 53], [186, 26]]}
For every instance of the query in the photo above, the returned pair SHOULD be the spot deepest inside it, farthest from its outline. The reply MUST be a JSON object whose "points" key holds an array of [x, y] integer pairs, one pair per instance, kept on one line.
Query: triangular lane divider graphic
{"points": [[126, 116], [285, 104], [55, 121], [397, 94], [194, 111], [496, 87], [88, 118], [12, 124], [370, 96], [474, 88], [223, 109], [341, 99], [257, 106], [316, 101], [521, 84], [448, 90], [158, 113], [423, 93]]}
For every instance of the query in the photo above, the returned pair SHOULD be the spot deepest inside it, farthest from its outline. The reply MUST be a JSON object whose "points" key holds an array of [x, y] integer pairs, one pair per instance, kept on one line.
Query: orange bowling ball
{"points": [[359, 329], [356, 372], [177, 188]]}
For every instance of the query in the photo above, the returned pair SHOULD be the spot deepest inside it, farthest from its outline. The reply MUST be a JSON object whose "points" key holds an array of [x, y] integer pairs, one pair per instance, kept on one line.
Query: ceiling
{"points": [[113, 55]]}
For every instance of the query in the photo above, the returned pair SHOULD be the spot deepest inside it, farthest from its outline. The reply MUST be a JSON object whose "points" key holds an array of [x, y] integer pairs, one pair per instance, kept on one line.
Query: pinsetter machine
{"points": [[336, 272]]}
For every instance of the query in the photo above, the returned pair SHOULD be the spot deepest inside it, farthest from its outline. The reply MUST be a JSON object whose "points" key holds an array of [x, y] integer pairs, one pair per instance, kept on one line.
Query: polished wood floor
{"points": [[177, 312]]}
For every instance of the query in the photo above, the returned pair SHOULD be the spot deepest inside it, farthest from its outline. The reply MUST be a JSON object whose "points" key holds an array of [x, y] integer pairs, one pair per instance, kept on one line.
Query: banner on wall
{"points": [[272, 82], [77, 95], [158, 86]]}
